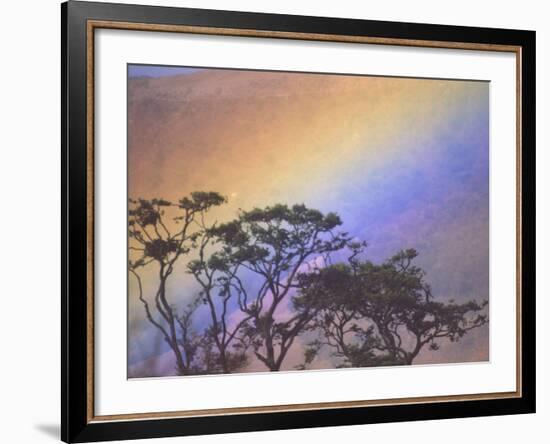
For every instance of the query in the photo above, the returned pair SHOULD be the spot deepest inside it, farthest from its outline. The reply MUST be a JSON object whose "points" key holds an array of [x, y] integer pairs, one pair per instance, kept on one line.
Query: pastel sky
{"points": [[404, 162]]}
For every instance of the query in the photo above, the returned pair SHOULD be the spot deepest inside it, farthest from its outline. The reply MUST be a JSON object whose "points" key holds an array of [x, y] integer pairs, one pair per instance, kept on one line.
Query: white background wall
{"points": [[30, 207]]}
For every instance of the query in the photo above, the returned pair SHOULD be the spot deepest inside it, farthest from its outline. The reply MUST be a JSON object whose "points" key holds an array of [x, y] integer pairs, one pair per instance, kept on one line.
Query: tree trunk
{"points": [[223, 360], [179, 357]]}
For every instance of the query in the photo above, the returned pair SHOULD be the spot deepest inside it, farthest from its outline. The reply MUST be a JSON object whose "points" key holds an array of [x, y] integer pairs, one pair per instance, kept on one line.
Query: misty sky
{"points": [[404, 162]]}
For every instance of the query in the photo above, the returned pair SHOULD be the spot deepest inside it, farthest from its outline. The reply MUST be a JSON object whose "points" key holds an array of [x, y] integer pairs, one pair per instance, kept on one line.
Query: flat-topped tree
{"points": [[264, 252], [370, 314], [217, 278], [406, 315], [160, 234]]}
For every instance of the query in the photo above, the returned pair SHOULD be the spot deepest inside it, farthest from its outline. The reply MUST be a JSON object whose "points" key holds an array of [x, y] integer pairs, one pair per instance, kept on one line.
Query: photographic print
{"points": [[295, 221]]}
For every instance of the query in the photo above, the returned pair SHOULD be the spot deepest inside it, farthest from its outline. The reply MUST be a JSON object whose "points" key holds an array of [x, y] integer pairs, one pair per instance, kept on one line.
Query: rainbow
{"points": [[405, 162]]}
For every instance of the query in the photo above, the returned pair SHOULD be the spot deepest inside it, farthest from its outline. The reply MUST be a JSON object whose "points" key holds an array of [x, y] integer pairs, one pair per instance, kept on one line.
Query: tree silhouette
{"points": [[217, 278], [267, 277], [273, 247], [153, 243], [385, 314]]}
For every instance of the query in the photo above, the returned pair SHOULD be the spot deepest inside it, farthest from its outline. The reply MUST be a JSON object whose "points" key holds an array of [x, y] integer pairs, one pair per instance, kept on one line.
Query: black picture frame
{"points": [[76, 423]]}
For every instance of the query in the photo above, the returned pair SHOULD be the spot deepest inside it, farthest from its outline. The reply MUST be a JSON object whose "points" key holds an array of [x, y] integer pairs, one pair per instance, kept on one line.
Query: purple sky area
{"points": [[158, 71]]}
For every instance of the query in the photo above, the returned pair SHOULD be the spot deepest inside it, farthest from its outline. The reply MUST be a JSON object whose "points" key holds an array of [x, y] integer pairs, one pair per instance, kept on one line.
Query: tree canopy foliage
{"points": [[370, 314], [268, 277]]}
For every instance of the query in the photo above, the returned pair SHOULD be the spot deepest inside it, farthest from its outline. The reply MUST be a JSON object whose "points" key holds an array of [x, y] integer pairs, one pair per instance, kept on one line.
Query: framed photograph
{"points": [[277, 221]]}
